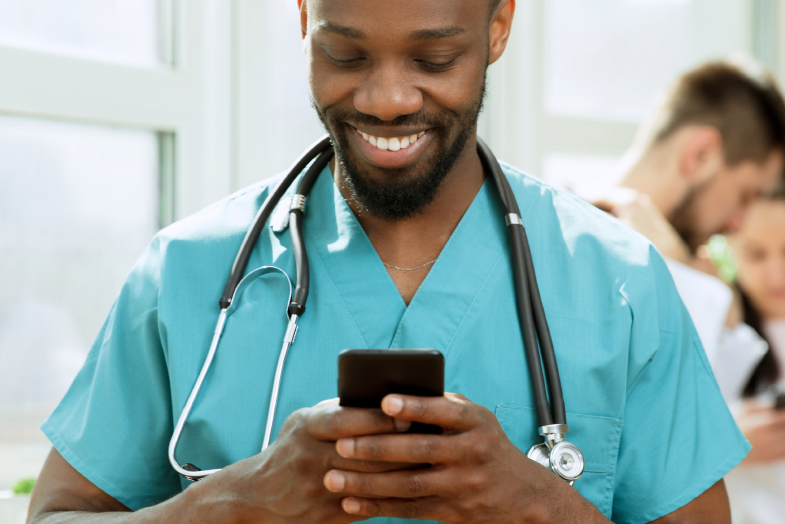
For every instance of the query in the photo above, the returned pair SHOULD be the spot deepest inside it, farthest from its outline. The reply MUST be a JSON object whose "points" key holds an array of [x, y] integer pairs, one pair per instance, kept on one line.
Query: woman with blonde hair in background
{"points": [[757, 486]]}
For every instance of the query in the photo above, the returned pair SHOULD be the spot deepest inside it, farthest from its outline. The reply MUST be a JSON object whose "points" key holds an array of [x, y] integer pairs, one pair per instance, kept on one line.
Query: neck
{"points": [[416, 241], [654, 173]]}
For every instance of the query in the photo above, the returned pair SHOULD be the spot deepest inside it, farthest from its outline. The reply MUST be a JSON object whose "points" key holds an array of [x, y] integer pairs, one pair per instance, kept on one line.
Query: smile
{"points": [[391, 144], [392, 152]]}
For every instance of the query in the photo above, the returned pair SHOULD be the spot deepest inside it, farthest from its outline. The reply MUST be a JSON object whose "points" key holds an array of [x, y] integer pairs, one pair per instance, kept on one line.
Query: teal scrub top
{"points": [[642, 403]]}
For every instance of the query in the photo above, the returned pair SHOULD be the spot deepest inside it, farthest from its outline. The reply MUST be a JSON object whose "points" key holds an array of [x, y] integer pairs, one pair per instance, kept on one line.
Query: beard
{"points": [[685, 217], [398, 194]]}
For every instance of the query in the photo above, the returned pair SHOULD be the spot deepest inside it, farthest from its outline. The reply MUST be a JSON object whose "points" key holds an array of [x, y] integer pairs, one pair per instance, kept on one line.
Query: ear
{"points": [[702, 154], [302, 5], [501, 25]]}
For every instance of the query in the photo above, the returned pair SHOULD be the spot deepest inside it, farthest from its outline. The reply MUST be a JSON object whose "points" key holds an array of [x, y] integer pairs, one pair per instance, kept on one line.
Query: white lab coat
{"points": [[733, 353], [757, 493]]}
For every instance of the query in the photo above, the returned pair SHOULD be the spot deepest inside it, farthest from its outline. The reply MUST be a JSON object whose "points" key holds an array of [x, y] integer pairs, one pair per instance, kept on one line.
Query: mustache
{"points": [[442, 120]]}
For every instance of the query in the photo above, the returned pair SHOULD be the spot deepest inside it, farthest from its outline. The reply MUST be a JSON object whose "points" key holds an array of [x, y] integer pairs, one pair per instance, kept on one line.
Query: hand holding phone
{"points": [[366, 376]]}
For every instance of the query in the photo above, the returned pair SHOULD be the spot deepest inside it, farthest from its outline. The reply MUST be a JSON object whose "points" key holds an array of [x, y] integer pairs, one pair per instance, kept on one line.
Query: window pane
{"points": [[78, 204], [579, 173], [610, 58], [273, 50], [124, 31]]}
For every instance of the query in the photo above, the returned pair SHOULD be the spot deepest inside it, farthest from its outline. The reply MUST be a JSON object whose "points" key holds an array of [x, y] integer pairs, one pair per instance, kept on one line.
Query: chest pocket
{"points": [[597, 437]]}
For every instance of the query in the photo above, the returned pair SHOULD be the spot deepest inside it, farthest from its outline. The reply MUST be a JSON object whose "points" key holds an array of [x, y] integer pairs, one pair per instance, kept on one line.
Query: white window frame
{"points": [[189, 99]]}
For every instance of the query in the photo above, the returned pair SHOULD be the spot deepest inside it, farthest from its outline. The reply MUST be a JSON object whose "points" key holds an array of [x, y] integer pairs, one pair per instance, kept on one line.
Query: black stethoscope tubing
{"points": [[531, 314]]}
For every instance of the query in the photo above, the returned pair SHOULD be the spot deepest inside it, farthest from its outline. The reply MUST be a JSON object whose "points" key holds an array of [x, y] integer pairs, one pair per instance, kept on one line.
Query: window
{"points": [[78, 204], [611, 59], [276, 122], [570, 171], [117, 31], [115, 120]]}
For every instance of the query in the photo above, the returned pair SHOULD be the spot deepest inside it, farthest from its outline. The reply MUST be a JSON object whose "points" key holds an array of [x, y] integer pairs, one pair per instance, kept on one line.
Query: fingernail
{"points": [[345, 447], [393, 405], [401, 425], [334, 481], [351, 505]]}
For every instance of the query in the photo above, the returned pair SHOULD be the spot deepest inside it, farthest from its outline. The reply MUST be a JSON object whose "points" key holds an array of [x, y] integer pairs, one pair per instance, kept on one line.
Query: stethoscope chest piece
{"points": [[558, 455]]}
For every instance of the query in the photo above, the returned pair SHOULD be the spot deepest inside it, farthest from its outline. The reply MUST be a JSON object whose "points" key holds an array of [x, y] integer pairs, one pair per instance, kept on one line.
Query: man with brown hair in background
{"points": [[715, 144]]}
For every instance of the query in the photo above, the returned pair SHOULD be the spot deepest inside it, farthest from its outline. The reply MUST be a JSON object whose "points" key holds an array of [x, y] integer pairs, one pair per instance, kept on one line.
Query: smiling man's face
{"points": [[398, 86]]}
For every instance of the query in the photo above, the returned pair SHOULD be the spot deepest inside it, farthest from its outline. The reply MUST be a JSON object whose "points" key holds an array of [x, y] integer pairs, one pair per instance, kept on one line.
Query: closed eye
{"points": [[346, 63], [437, 67]]}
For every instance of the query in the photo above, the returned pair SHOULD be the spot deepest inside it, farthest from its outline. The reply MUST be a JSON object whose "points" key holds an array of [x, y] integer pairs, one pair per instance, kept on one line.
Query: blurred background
{"points": [[118, 117]]}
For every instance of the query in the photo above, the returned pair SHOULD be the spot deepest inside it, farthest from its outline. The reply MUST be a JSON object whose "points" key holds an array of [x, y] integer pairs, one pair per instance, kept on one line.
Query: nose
{"points": [[387, 94]]}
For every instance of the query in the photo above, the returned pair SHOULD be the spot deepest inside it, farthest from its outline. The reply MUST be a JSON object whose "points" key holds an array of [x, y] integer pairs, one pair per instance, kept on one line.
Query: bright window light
{"points": [[78, 205], [610, 59], [575, 172], [131, 32]]}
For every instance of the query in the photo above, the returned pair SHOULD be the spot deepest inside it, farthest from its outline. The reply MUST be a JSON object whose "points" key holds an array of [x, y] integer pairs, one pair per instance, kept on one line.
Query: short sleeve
{"points": [[678, 437], [115, 421]]}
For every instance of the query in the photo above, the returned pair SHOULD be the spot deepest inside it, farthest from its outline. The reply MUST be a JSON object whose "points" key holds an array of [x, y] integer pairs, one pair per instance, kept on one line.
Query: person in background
{"points": [[714, 145], [757, 486]]}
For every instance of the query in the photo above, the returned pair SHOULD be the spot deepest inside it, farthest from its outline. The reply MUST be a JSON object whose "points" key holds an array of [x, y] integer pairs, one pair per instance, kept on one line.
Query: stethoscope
{"points": [[555, 453]]}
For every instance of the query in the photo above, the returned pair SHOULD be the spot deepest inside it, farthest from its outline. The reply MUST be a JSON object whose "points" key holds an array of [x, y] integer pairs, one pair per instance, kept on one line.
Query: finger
{"points": [[396, 484], [413, 509], [370, 466], [415, 449], [333, 422], [325, 458], [450, 411]]}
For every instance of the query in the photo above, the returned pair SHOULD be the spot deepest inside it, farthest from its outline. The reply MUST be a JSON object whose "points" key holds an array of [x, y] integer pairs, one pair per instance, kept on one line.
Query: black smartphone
{"points": [[366, 376]]}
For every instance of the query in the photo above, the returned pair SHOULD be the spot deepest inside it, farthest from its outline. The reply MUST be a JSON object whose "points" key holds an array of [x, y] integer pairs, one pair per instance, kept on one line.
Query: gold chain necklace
{"points": [[408, 268]]}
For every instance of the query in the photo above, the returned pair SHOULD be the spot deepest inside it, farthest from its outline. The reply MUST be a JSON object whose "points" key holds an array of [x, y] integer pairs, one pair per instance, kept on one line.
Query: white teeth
{"points": [[391, 143]]}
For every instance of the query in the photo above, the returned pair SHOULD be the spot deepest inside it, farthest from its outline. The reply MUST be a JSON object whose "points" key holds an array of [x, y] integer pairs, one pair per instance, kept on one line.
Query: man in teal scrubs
{"points": [[408, 249]]}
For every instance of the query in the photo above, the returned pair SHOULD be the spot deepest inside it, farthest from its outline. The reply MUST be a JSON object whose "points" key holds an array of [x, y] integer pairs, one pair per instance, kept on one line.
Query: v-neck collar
{"points": [[340, 245], [450, 288]]}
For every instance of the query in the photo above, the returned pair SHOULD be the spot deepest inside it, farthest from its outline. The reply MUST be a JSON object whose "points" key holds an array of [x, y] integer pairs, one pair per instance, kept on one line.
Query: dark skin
{"points": [[389, 82], [339, 465]]}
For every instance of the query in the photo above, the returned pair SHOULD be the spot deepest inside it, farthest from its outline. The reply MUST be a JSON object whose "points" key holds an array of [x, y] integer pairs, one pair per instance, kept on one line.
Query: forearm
{"points": [[195, 505]]}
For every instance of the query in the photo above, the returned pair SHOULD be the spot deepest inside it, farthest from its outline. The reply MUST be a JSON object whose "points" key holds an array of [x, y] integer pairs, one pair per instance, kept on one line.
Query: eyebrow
{"points": [[436, 34], [422, 34], [348, 32]]}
